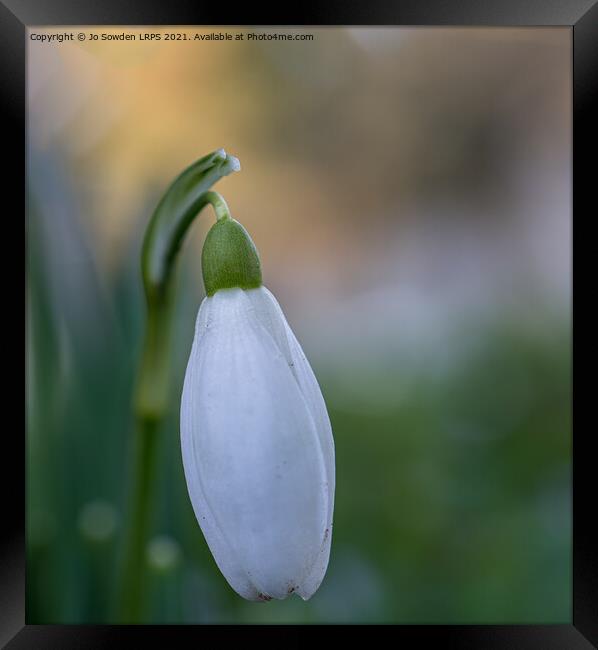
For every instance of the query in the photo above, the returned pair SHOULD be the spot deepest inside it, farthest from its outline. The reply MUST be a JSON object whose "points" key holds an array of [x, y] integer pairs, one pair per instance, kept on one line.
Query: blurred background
{"points": [[409, 191]]}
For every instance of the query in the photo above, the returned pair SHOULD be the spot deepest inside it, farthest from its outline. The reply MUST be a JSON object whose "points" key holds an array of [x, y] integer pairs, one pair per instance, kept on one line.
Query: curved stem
{"points": [[178, 208], [219, 204]]}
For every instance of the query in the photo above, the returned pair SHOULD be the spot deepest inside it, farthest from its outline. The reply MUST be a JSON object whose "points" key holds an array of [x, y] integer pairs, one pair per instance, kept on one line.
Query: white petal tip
{"points": [[305, 594], [305, 597], [263, 598], [230, 163], [234, 164]]}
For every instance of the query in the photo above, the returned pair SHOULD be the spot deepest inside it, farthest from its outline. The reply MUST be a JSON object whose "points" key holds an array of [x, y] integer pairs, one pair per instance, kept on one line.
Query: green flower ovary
{"points": [[229, 258]]}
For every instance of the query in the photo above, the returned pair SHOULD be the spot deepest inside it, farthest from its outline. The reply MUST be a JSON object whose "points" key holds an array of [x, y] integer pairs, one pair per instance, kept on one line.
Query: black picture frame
{"points": [[581, 16]]}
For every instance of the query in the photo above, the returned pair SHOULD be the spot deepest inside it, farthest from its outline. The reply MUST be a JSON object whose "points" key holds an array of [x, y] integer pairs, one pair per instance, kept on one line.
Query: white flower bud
{"points": [[257, 447]]}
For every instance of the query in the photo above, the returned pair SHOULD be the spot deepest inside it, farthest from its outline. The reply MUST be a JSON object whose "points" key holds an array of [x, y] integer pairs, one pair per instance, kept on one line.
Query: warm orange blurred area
{"points": [[344, 141]]}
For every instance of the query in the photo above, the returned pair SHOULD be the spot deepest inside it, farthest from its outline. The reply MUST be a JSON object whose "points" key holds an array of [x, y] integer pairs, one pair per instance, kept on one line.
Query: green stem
{"points": [[179, 206], [219, 205], [133, 575], [152, 390]]}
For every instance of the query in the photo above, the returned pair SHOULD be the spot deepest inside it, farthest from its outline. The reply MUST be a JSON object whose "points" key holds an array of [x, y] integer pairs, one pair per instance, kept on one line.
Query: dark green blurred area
{"points": [[452, 504], [409, 193]]}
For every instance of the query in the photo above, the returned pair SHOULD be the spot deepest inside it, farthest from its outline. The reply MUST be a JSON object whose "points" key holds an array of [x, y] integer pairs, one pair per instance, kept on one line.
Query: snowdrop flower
{"points": [[256, 440]]}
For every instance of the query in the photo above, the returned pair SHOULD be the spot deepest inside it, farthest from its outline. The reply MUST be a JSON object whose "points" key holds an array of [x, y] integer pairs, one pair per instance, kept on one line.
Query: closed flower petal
{"points": [[257, 447]]}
